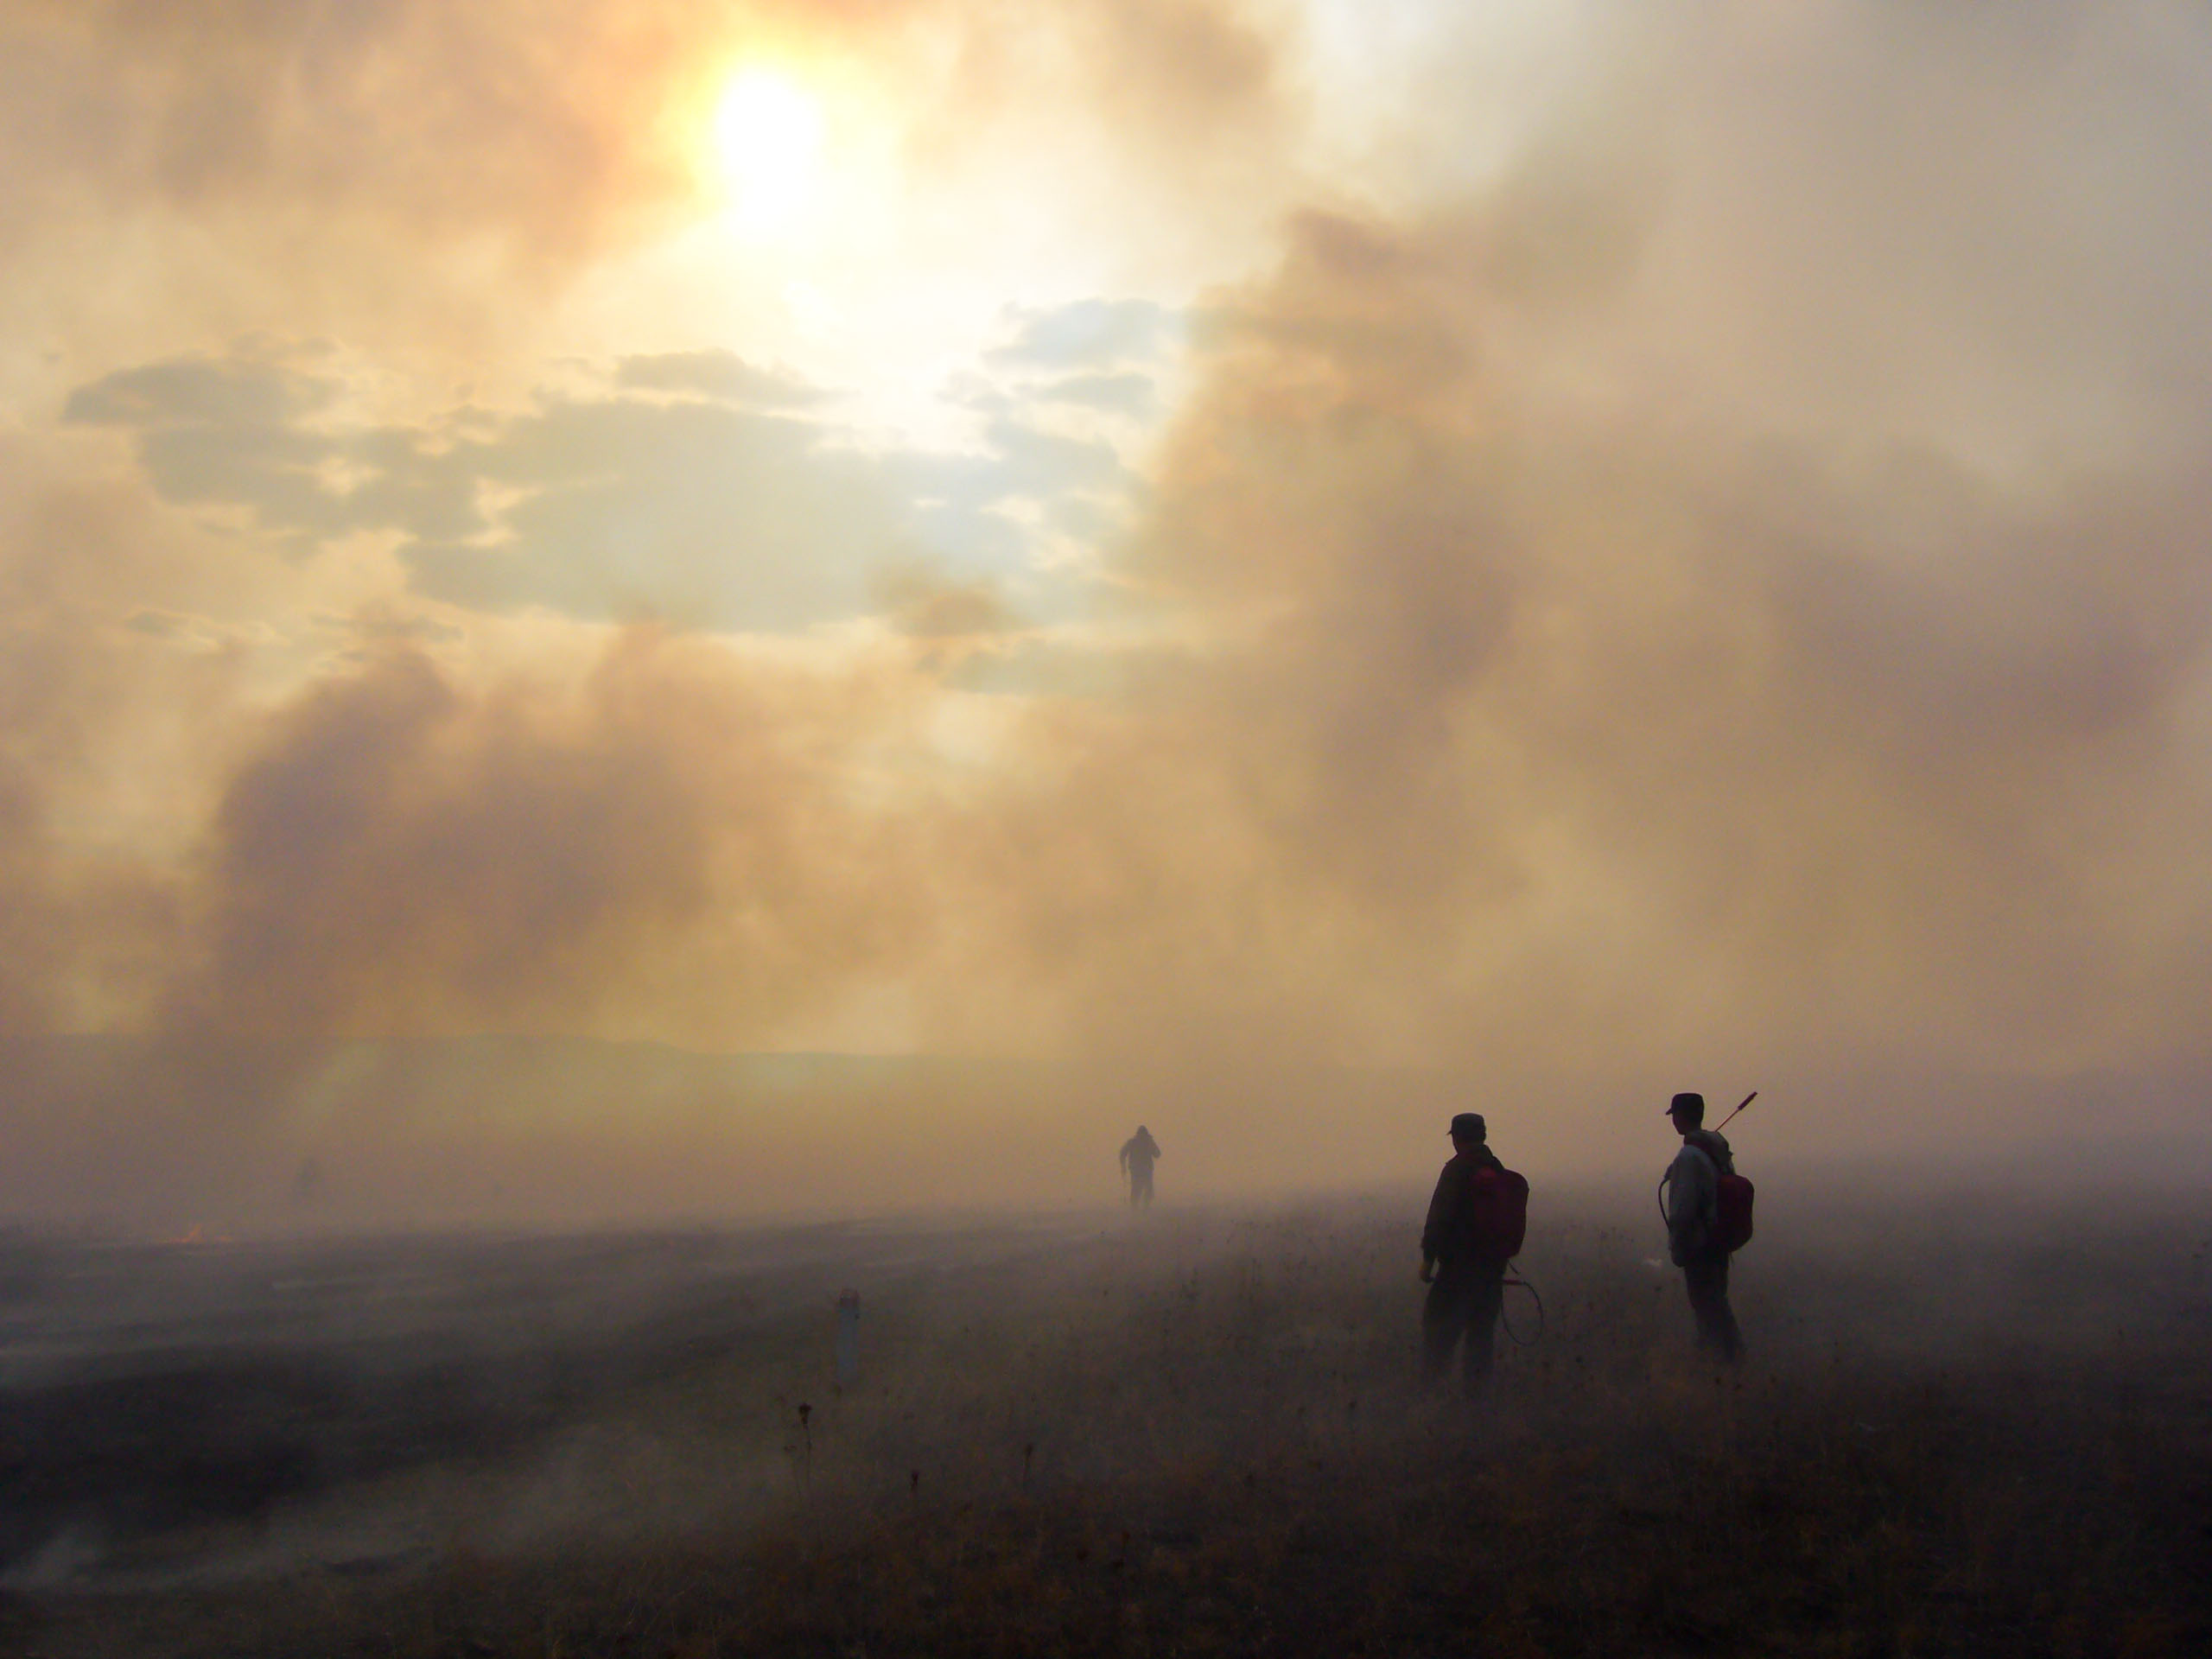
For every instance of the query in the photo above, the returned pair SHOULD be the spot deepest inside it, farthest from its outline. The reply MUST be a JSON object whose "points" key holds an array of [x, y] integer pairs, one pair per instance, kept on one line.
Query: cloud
{"points": [[720, 375], [921, 603], [1088, 334], [706, 515], [244, 431], [730, 509], [1136, 396], [233, 397]]}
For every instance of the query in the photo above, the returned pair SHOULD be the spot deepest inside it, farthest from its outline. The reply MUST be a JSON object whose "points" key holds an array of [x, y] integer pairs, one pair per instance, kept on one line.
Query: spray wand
{"points": [[1733, 1117]]}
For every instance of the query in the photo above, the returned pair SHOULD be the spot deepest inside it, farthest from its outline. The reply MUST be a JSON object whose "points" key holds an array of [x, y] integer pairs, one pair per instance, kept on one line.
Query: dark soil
{"points": [[1204, 1438]]}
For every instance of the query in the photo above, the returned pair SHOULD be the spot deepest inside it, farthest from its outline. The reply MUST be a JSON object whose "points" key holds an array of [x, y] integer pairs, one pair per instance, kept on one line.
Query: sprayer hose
{"points": [[1506, 1318]]}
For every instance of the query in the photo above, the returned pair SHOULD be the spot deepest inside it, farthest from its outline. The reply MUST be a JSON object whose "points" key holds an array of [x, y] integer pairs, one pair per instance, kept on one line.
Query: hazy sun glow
{"points": [[768, 134], [1224, 542]]}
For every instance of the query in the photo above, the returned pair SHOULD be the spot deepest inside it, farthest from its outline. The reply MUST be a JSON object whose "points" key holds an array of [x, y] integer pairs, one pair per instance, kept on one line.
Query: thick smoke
{"points": [[506, 146], [407, 856], [1726, 590], [1594, 715]]}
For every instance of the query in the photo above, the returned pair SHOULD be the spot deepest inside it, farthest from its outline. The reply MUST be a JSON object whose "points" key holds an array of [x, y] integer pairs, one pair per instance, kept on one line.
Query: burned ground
{"points": [[1967, 1427]]}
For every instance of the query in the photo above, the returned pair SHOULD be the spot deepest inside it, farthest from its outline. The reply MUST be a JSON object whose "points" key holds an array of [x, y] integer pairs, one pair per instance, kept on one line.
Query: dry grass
{"points": [[1202, 1438]]}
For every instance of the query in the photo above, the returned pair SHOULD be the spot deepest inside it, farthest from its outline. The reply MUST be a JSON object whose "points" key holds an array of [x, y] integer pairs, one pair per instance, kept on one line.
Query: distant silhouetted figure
{"points": [[1692, 1204], [1474, 1226], [848, 1338], [1139, 1153]]}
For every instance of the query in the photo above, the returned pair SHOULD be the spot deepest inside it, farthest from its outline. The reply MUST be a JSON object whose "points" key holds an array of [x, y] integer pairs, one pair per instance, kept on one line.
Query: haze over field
{"points": [[1273, 564]]}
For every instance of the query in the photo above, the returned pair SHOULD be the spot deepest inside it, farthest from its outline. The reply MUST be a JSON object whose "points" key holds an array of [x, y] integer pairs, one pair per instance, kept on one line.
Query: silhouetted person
{"points": [[1692, 1208], [1139, 1153], [1472, 1231]]}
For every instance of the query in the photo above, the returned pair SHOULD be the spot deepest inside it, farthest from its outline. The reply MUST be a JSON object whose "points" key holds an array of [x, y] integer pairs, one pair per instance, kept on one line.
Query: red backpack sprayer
{"points": [[1731, 1195], [1499, 1210]]}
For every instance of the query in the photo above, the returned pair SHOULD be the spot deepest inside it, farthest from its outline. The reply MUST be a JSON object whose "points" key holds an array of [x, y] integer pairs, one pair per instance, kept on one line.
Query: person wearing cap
{"points": [[1466, 1282], [1139, 1153], [1691, 1185]]}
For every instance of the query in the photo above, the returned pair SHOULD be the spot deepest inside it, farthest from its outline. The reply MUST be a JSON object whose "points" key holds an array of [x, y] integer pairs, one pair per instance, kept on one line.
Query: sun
{"points": [[767, 136]]}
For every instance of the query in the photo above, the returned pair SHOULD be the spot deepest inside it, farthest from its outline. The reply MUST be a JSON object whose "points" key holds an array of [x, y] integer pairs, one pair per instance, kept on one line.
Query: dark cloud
{"points": [[232, 396], [161, 624], [240, 431]]}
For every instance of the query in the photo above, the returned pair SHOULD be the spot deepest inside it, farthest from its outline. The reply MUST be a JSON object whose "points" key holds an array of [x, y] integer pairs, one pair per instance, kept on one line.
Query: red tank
{"points": [[1732, 1206], [1497, 1212]]}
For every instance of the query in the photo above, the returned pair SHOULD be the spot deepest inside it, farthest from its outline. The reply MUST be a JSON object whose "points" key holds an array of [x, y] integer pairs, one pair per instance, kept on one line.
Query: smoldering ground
{"points": [[1968, 1425]]}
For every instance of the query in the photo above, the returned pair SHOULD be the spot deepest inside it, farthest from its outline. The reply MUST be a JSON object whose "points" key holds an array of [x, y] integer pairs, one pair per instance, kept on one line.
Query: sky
{"points": [[1586, 546]]}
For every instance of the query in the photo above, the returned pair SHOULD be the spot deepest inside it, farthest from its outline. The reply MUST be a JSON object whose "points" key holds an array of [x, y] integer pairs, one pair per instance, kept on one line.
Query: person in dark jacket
{"points": [[1692, 1205], [1466, 1282], [1139, 1153]]}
